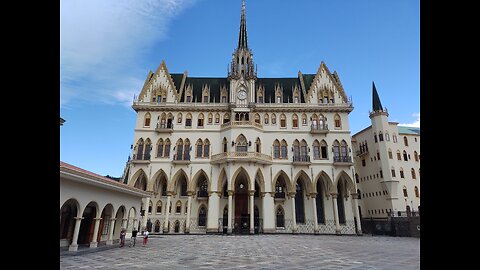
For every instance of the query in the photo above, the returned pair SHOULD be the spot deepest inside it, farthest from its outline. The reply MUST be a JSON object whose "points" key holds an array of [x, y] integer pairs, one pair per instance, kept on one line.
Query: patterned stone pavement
{"points": [[254, 252]]}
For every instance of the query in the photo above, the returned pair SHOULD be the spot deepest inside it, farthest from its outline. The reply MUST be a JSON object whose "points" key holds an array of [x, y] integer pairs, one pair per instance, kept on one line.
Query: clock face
{"points": [[242, 95]]}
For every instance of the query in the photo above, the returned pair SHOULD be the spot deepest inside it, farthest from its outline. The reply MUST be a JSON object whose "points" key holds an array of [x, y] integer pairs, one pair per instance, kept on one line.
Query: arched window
{"points": [[415, 155], [202, 187], [179, 118], [283, 121], [304, 119], [146, 122], [338, 121], [159, 207], [417, 194], [258, 145], [405, 156], [265, 119], [186, 150], [210, 118], [241, 144], [401, 173], [380, 136], [387, 137], [274, 119], [160, 147], [344, 148], [226, 118], [336, 151], [283, 149], [170, 120], [375, 137], [276, 149], [148, 148], [163, 120], [303, 151], [167, 148], [141, 182], [257, 118], [178, 207], [202, 217], [405, 193], [359, 194], [314, 121], [179, 153], [200, 121], [323, 150], [414, 176], [393, 172], [150, 206], [296, 151], [206, 149], [199, 152], [405, 140], [299, 204], [390, 154], [316, 149], [224, 143], [399, 155], [394, 138], [188, 120], [217, 118], [280, 220], [294, 121]]}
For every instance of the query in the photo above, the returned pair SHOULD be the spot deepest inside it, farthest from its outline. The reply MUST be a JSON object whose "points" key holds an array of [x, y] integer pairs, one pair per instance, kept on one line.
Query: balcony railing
{"points": [[202, 194], [245, 123], [301, 160], [181, 160], [241, 157], [345, 161], [141, 159], [280, 195], [319, 129], [164, 128], [361, 153]]}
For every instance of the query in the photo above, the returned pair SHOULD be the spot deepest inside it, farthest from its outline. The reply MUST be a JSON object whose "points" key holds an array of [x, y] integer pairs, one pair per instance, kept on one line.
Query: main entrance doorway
{"points": [[241, 223]]}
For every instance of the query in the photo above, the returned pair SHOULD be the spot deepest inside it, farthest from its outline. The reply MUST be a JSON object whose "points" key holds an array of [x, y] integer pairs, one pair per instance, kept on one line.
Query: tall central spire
{"points": [[242, 37]]}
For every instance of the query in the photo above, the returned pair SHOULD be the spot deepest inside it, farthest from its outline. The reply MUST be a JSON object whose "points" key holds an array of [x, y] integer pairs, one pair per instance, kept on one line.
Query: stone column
{"points": [[356, 213], [268, 212], [189, 205], [110, 233], [230, 210], [313, 195], [74, 246], [145, 207], [335, 213], [167, 211], [251, 193], [294, 217], [212, 215], [94, 243]]}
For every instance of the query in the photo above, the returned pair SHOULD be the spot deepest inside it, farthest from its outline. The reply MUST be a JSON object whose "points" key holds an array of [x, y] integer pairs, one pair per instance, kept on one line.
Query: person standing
{"points": [[145, 237], [133, 238], [122, 237]]}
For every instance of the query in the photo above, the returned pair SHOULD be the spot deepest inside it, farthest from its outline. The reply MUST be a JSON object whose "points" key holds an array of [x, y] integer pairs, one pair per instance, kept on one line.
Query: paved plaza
{"points": [[254, 252]]}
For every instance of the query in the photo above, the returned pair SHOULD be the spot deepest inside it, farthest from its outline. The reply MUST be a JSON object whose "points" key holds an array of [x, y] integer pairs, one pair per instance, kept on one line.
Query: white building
{"points": [[387, 166], [243, 154], [93, 208]]}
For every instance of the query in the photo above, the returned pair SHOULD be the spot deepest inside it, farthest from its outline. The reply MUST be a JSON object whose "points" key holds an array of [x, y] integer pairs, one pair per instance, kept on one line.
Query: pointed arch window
{"points": [[414, 176], [167, 148], [186, 150], [163, 120], [188, 120], [274, 119], [405, 156], [226, 118], [280, 218], [402, 175], [405, 140], [415, 155], [160, 147], [224, 144], [258, 146], [336, 150], [390, 154], [375, 137], [304, 151], [146, 122], [323, 150], [276, 149], [405, 193], [296, 151], [387, 137], [148, 148], [178, 207], [283, 121], [393, 172], [394, 137], [417, 194], [284, 150], [217, 118], [304, 119], [206, 149], [316, 150], [344, 149], [179, 118], [265, 117], [210, 118], [159, 207], [179, 153], [399, 155], [380, 136], [241, 144], [294, 121], [338, 121], [199, 152], [314, 121], [257, 118], [200, 120]]}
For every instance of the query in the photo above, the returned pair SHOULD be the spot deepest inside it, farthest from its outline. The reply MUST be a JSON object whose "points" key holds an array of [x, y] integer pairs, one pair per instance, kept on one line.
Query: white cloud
{"points": [[102, 43], [416, 123]]}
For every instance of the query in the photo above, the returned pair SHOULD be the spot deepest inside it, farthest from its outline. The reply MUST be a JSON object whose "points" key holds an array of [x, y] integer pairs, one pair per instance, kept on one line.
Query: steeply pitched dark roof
{"points": [[197, 85], [286, 83], [307, 80], [377, 105]]}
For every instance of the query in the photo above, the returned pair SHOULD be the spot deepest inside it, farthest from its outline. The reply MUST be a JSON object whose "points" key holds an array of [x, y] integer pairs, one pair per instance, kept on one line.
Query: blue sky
{"points": [[108, 47]]}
